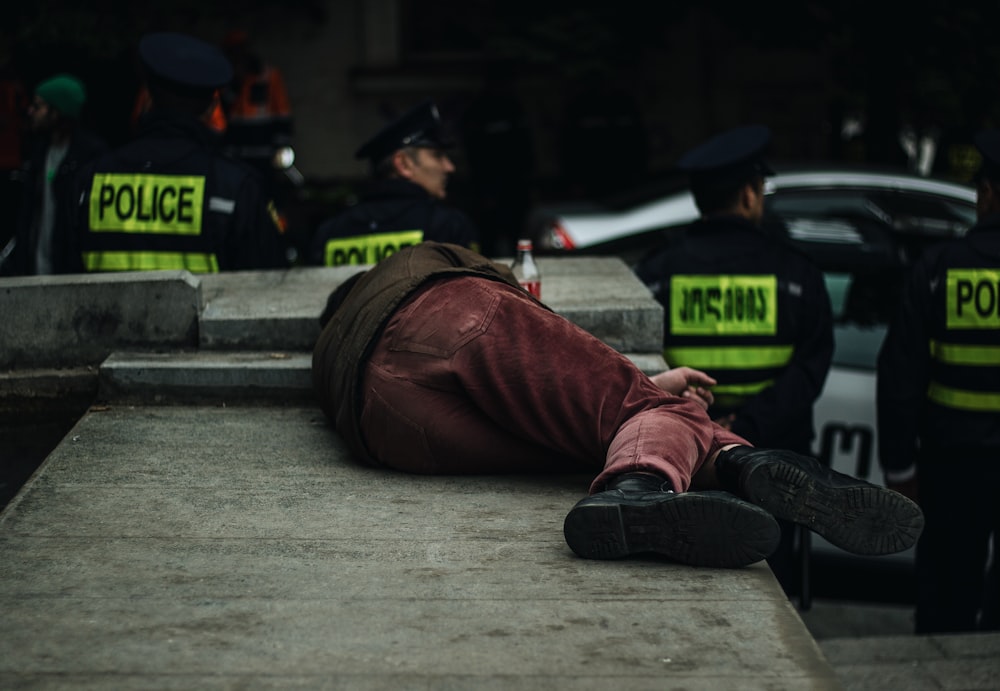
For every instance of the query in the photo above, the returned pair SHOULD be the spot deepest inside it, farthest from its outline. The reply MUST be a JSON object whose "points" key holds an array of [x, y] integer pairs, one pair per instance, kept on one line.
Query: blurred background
{"points": [[554, 100]]}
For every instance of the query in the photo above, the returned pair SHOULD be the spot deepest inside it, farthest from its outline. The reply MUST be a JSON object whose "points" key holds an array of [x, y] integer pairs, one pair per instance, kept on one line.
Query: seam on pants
{"points": [[379, 414], [421, 335]]}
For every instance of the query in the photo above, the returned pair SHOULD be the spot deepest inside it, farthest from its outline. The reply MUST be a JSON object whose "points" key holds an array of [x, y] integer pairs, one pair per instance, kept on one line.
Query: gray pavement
{"points": [[871, 647], [214, 547], [203, 527]]}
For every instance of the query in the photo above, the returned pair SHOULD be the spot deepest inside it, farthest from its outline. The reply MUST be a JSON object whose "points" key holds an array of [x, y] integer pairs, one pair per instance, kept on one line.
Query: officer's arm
{"points": [[256, 242], [902, 377]]}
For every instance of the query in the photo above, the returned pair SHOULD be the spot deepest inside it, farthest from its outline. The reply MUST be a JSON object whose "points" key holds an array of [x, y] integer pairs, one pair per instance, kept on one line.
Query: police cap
{"points": [[988, 144], [420, 126], [732, 157], [184, 61]]}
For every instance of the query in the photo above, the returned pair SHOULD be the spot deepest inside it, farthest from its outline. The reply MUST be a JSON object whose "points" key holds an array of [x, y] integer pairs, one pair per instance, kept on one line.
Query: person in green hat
{"points": [[42, 243]]}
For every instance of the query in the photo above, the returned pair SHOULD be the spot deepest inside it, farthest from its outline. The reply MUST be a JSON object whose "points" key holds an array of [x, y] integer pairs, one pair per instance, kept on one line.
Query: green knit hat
{"points": [[63, 92]]}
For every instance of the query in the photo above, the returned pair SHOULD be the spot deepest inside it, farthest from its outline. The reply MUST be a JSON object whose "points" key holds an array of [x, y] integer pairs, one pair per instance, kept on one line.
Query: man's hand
{"points": [[687, 383]]}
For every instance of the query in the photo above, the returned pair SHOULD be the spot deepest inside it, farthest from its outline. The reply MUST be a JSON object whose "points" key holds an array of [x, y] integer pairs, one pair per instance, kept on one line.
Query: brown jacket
{"points": [[350, 335]]}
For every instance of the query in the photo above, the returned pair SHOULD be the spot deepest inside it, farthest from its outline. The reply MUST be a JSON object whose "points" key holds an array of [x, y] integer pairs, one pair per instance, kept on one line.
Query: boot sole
{"points": [[861, 518], [699, 529]]}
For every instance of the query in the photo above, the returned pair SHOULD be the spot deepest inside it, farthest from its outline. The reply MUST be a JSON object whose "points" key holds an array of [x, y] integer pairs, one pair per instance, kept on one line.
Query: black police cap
{"points": [[420, 126], [184, 61], [732, 157], [988, 144]]}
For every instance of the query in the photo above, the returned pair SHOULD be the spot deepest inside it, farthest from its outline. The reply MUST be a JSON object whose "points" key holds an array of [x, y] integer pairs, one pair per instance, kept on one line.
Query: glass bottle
{"points": [[525, 269]]}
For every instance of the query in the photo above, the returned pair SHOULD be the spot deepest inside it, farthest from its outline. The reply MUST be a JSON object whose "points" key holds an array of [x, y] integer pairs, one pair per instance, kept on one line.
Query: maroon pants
{"points": [[470, 376]]}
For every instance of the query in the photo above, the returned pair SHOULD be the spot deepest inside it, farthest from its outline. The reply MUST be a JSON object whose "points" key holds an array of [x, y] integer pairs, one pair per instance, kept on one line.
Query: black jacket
{"points": [[84, 146], [392, 214], [765, 335], [169, 200], [939, 366]]}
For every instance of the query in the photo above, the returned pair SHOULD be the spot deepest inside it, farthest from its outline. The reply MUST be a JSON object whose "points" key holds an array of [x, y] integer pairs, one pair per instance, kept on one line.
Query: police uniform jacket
{"points": [[343, 347], [392, 214], [169, 200], [84, 146], [939, 366], [753, 312]]}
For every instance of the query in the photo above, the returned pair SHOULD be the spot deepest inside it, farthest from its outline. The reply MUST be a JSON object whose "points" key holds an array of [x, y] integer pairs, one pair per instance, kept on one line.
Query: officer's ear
{"points": [[747, 199], [404, 163]]}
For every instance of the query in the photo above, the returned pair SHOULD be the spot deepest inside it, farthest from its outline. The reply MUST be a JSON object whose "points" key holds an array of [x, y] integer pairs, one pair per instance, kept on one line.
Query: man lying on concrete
{"points": [[436, 361]]}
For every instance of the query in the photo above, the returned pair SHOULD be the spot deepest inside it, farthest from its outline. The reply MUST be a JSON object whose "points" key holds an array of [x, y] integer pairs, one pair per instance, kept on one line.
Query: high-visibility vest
{"points": [[939, 366], [965, 358], [754, 314], [392, 214], [368, 249], [165, 200], [732, 313], [261, 97]]}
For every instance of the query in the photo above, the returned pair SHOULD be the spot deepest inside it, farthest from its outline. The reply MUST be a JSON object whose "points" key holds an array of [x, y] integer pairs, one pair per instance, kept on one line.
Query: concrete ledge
{"points": [[47, 390], [54, 321], [215, 547], [231, 377], [267, 310], [604, 297], [238, 378], [73, 320], [274, 310]]}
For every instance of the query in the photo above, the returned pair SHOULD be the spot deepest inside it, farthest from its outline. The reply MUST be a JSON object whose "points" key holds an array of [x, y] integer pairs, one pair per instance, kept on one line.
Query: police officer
{"points": [[744, 306], [169, 199], [403, 205], [939, 409]]}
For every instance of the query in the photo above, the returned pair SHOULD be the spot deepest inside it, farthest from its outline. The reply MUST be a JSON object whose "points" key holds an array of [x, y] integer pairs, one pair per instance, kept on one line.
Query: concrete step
{"points": [[78, 320], [234, 376]]}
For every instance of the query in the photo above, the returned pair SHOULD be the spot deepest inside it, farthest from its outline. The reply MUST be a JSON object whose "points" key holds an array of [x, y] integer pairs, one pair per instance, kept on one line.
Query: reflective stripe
{"points": [[973, 299], [194, 262], [963, 399], [730, 357], [732, 395], [722, 304], [748, 389], [133, 203], [956, 354], [368, 249], [221, 205]]}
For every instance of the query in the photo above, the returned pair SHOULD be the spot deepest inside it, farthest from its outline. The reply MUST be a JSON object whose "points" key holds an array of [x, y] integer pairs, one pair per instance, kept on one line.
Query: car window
{"points": [[857, 338], [864, 241]]}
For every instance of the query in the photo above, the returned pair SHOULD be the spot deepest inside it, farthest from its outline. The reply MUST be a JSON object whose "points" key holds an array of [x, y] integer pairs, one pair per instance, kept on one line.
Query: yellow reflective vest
{"points": [[166, 200], [939, 367], [752, 312], [392, 215]]}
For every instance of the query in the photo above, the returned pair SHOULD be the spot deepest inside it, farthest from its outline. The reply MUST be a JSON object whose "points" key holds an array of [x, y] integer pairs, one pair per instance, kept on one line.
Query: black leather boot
{"points": [[640, 513], [852, 514]]}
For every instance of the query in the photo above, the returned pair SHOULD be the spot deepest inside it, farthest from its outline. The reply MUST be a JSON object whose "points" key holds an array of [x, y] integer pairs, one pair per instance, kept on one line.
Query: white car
{"points": [[862, 228]]}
